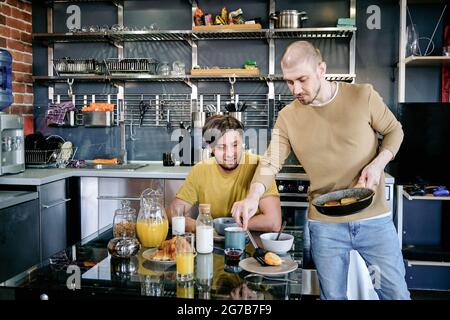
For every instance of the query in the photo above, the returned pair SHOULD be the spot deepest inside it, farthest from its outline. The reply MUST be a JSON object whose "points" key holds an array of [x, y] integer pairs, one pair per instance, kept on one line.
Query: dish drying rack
{"points": [[66, 66], [131, 65], [49, 158], [40, 158]]}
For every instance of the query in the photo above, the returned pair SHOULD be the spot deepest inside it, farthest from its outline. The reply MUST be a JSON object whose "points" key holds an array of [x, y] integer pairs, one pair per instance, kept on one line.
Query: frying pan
{"points": [[364, 196]]}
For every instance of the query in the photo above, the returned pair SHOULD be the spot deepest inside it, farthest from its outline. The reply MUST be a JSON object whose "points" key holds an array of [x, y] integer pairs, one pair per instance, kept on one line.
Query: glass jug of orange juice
{"points": [[152, 225]]}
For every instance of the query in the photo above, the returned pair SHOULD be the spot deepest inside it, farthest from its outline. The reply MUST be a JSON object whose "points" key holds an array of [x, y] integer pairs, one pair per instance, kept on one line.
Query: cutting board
{"points": [[226, 72], [233, 27]]}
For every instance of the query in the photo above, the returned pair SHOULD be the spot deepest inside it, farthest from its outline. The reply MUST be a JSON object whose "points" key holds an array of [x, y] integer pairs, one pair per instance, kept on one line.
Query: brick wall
{"points": [[15, 36]]}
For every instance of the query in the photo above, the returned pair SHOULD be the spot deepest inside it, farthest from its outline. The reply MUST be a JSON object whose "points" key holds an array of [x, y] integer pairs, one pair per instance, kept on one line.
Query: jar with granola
{"points": [[124, 224], [124, 244]]}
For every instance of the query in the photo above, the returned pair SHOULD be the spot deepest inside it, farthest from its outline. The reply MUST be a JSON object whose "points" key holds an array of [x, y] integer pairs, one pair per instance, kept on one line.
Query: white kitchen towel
{"points": [[359, 283]]}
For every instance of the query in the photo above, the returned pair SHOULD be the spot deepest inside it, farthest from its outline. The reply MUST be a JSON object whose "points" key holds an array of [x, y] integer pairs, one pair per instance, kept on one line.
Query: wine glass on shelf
{"points": [[412, 41]]}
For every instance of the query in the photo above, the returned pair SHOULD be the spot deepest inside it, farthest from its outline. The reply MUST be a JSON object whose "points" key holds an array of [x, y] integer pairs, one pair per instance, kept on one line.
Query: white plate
{"points": [[147, 254], [251, 265]]}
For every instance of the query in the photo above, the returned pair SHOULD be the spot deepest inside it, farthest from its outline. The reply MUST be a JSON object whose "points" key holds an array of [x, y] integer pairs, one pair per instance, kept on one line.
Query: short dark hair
{"points": [[216, 126]]}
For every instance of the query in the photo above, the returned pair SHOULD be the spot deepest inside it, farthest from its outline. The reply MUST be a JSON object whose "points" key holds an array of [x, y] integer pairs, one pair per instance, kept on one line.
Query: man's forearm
{"points": [[257, 189], [383, 158], [260, 222]]}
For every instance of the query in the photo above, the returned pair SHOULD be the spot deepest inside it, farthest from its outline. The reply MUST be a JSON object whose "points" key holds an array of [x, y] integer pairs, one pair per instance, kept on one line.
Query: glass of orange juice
{"points": [[185, 290], [185, 257]]}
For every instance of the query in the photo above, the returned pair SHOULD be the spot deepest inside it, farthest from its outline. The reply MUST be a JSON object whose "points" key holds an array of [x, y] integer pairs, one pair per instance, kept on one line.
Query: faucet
{"points": [[123, 141]]}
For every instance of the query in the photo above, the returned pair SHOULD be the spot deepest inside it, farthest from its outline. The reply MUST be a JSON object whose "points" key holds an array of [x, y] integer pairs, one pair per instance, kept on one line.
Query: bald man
{"points": [[332, 129]]}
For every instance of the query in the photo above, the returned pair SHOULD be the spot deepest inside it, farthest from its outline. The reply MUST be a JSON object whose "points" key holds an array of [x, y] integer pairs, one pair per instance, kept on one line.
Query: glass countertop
{"points": [[86, 270]]}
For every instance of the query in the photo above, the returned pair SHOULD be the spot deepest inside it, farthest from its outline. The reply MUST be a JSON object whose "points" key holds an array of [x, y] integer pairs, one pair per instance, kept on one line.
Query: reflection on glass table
{"points": [[104, 277]]}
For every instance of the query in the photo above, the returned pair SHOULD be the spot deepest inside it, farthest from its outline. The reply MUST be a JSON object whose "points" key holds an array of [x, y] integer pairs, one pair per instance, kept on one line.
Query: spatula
{"points": [[259, 252]]}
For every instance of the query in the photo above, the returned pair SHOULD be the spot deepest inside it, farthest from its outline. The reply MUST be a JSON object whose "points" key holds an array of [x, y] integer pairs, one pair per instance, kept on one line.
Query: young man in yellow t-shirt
{"points": [[226, 177]]}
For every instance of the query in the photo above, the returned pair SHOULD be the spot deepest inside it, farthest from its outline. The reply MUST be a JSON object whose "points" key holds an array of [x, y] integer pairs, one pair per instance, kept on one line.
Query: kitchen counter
{"points": [[42, 176], [137, 278], [36, 177]]}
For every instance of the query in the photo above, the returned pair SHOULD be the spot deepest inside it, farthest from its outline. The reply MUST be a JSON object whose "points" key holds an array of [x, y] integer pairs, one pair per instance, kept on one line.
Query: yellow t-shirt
{"points": [[205, 183]]}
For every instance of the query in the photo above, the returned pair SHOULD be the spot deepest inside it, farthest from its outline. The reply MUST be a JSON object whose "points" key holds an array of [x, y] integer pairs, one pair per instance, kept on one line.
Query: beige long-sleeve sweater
{"points": [[334, 142]]}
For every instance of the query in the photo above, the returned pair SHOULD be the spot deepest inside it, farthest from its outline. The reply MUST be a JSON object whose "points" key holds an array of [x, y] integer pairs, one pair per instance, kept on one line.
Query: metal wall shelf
{"points": [[191, 37], [225, 78], [176, 35], [230, 34], [158, 78], [76, 77], [139, 77], [332, 32], [164, 35], [345, 77], [62, 37]]}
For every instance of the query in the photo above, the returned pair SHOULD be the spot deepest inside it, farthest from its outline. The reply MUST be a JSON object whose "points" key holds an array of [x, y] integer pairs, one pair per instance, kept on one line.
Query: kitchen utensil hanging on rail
{"points": [[70, 90], [231, 106], [143, 108]]}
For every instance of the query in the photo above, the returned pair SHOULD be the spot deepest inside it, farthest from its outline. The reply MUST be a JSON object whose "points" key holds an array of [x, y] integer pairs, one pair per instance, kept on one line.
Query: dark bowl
{"points": [[364, 195], [221, 223]]}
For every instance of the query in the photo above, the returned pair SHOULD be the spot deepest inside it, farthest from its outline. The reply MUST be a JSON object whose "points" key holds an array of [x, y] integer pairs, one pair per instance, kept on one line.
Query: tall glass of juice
{"points": [[185, 257]]}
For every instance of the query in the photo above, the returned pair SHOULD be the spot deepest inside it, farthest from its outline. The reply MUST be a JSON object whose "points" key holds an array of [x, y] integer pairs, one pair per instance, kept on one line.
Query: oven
{"points": [[294, 201]]}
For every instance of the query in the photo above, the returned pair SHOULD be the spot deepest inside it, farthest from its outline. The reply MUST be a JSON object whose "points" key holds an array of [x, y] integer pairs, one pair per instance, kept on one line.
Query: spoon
{"points": [[281, 229]]}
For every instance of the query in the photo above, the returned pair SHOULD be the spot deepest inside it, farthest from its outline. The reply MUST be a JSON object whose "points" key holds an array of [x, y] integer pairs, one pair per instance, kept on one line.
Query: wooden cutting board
{"points": [[226, 72], [255, 26]]}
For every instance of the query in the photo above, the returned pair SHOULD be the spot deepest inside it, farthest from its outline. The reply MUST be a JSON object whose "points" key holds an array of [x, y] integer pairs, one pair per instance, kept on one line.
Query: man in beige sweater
{"points": [[332, 129]]}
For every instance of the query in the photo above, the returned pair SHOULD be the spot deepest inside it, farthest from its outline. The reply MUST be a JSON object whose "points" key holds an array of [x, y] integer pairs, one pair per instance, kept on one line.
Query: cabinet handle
{"points": [[118, 198], [47, 206]]}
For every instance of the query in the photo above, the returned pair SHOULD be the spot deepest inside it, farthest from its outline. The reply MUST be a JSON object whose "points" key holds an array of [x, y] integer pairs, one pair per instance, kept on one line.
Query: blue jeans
{"points": [[376, 241]]}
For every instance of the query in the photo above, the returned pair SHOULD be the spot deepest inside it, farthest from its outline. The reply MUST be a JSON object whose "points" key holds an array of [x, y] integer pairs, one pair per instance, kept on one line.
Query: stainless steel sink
{"points": [[128, 166]]}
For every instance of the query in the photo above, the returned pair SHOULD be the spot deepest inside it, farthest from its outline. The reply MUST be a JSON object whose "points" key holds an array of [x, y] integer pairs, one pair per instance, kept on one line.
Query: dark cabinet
{"points": [[19, 238], [54, 200]]}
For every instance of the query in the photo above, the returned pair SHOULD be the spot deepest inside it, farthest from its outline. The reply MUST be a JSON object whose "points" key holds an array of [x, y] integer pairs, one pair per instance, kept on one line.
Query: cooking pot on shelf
{"points": [[289, 19]]}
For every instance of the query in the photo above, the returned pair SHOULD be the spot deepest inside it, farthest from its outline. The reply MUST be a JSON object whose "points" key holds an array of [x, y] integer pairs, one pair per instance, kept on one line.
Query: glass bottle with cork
{"points": [[204, 229]]}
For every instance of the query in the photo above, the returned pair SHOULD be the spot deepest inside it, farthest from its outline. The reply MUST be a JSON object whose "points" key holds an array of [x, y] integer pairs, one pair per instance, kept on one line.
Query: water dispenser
{"points": [[6, 97], [12, 151]]}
